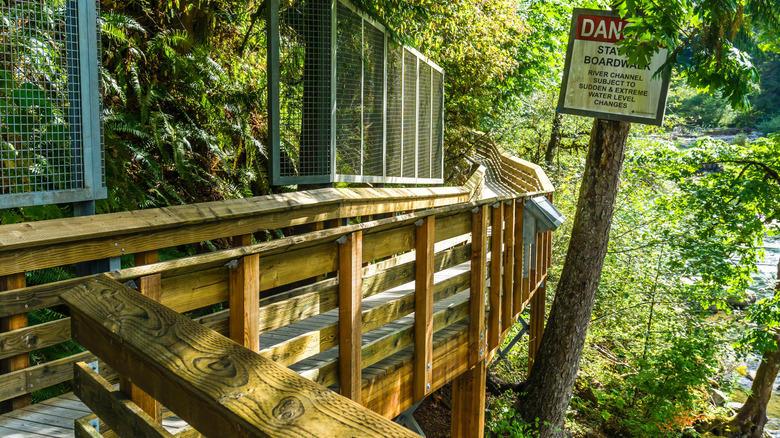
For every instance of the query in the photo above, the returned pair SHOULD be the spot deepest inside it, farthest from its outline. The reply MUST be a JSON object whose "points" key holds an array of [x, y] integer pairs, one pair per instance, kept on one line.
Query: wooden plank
{"points": [[149, 286], [311, 300], [245, 302], [113, 407], [494, 318], [17, 301], [477, 340], [27, 339], [385, 243], [509, 265], [65, 241], [83, 429], [423, 307], [21, 429], [387, 345], [194, 290], [390, 393], [350, 309], [8, 324], [468, 403], [322, 338], [448, 227], [40, 376], [292, 266], [216, 385], [518, 298]]}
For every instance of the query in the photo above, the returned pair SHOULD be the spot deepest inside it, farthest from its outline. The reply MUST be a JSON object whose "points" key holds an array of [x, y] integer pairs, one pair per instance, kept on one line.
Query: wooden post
{"points": [[244, 286], [423, 308], [494, 318], [518, 297], [149, 286], [317, 226], [538, 266], [13, 322], [468, 403], [350, 307], [477, 340], [509, 264], [242, 240], [536, 329]]}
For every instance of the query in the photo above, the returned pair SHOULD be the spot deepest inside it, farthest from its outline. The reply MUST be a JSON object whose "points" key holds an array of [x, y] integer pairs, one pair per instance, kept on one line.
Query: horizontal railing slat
{"points": [[214, 384]]}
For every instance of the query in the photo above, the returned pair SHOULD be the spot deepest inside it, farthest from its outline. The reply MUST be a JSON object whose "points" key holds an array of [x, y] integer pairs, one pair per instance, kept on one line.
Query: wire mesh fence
{"points": [[44, 122], [353, 105]]}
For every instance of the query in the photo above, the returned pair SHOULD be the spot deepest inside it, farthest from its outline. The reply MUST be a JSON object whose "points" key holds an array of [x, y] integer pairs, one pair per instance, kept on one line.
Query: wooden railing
{"points": [[31, 246], [452, 333]]}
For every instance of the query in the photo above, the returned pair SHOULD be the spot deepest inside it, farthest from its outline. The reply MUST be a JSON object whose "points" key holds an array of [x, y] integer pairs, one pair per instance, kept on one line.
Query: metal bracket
{"points": [[496, 205], [342, 240], [407, 420], [419, 223], [502, 354], [233, 264], [131, 284], [476, 210]]}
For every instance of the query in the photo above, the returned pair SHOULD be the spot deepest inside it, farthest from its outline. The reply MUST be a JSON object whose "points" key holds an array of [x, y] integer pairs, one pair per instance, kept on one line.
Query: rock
{"points": [[742, 302], [734, 406], [717, 397]]}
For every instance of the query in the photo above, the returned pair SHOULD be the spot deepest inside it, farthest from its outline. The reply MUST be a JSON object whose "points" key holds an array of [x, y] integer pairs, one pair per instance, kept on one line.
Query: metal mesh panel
{"points": [[410, 114], [349, 72], [304, 87], [40, 114], [438, 124], [363, 113], [373, 100], [394, 126], [424, 122]]}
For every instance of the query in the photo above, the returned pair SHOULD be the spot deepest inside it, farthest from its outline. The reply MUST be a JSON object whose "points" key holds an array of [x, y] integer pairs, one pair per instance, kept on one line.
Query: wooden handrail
{"points": [[218, 386]]}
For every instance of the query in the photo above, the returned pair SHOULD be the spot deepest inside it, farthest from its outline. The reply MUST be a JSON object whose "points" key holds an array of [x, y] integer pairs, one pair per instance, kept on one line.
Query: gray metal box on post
{"points": [[539, 216]]}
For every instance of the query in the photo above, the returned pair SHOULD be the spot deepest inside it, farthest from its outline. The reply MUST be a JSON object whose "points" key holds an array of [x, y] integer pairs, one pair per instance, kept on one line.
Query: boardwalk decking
{"points": [[55, 417]]}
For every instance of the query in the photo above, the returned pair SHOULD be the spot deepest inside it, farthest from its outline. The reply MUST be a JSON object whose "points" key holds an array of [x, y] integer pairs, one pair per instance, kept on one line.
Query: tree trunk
{"points": [[555, 139], [751, 417], [551, 381]]}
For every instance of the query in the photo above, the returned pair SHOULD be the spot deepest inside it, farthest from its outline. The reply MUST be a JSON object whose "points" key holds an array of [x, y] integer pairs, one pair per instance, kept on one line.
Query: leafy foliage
{"points": [[709, 41]]}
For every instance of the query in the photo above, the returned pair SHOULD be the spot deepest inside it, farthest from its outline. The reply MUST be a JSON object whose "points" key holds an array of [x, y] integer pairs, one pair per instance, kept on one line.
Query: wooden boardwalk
{"points": [[440, 238], [55, 417]]}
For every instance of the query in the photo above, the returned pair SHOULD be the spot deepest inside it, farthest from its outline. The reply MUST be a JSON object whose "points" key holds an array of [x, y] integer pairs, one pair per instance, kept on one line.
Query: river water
{"points": [[763, 282]]}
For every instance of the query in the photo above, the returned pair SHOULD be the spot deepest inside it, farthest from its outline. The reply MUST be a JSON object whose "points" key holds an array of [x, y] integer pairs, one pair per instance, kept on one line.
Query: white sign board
{"points": [[599, 82]]}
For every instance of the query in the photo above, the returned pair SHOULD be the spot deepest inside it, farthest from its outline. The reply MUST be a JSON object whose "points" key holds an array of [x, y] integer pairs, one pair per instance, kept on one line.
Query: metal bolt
{"points": [[116, 244], [429, 366], [481, 351], [427, 387], [123, 250]]}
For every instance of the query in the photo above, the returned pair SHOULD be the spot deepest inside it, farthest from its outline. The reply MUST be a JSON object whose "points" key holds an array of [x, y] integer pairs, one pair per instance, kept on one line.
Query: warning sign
{"points": [[599, 82]]}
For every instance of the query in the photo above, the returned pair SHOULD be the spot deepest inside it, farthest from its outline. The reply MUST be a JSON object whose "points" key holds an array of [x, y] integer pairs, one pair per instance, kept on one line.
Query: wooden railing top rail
{"points": [[220, 258], [37, 297], [520, 175], [218, 386], [44, 244]]}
